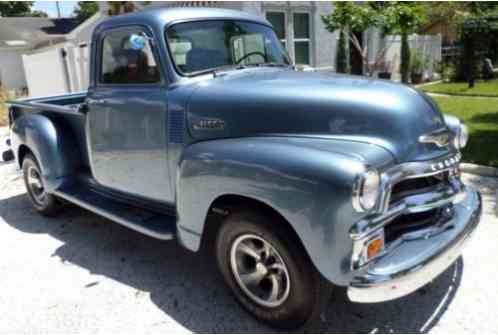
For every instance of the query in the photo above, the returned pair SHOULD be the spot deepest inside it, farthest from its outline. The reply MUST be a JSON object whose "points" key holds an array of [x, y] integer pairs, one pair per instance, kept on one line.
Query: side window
{"points": [[127, 58]]}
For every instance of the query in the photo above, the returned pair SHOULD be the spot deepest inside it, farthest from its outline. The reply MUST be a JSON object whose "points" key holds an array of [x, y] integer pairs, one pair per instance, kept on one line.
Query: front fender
{"points": [[308, 181], [51, 145]]}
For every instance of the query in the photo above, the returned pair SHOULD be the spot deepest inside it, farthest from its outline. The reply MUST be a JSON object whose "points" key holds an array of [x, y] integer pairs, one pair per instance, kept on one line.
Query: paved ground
{"points": [[82, 273]]}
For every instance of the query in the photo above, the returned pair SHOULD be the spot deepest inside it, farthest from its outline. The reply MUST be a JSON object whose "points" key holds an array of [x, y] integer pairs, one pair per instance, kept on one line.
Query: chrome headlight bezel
{"points": [[461, 137], [366, 191]]}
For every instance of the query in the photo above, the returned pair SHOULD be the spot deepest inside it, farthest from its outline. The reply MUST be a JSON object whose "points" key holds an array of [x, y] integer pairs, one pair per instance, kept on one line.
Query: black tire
{"points": [[308, 291], [44, 203], [7, 156]]}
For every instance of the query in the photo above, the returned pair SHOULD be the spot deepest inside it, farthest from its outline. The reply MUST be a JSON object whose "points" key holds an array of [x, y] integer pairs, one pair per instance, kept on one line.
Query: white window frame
{"points": [[309, 39], [284, 41]]}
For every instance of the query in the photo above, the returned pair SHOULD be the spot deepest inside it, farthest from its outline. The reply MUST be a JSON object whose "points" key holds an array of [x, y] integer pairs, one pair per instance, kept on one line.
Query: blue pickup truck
{"points": [[197, 127]]}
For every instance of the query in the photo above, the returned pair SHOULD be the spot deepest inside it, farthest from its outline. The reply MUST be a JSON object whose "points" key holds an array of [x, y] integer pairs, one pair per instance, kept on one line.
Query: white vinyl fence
{"points": [[58, 70], [429, 45], [44, 73]]}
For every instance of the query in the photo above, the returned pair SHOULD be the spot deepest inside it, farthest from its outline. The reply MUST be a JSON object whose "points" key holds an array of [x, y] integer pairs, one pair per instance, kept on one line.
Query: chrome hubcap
{"points": [[35, 185], [259, 270]]}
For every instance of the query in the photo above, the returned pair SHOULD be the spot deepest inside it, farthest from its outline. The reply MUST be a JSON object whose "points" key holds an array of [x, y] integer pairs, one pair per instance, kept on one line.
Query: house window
{"points": [[302, 38], [277, 20]]}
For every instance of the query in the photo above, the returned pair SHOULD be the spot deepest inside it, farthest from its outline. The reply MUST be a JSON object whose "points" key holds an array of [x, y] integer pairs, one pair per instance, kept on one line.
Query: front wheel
{"points": [[44, 202], [268, 270]]}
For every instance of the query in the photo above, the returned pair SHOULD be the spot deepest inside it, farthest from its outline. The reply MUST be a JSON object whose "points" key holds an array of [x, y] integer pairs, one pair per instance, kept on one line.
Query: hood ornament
{"points": [[440, 137]]}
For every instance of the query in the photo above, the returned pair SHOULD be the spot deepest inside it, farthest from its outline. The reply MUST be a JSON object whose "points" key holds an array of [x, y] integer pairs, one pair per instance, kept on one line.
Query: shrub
{"points": [[448, 72], [342, 55], [418, 62]]}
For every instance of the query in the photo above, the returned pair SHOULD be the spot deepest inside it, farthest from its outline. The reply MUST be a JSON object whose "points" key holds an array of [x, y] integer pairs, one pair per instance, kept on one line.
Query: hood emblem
{"points": [[441, 138], [209, 124]]}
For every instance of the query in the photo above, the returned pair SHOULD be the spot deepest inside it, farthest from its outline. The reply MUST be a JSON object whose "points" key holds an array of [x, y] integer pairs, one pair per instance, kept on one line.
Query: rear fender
{"points": [[52, 145]]}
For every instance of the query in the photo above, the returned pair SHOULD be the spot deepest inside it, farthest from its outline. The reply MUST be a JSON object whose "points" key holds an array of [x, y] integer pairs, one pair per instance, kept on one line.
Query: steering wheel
{"points": [[249, 55]]}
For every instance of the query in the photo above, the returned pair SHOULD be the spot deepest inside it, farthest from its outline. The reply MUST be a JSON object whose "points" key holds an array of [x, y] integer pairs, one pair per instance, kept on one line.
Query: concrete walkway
{"points": [[459, 96]]}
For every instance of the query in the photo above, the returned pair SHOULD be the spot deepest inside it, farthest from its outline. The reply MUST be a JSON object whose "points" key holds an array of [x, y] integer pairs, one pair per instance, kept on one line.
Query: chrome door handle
{"points": [[96, 102]]}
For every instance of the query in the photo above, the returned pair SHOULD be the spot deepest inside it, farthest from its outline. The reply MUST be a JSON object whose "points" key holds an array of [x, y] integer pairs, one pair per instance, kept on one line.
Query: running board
{"points": [[157, 225]]}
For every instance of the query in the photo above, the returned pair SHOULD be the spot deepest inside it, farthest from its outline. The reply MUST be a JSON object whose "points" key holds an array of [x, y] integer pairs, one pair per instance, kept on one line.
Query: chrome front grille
{"points": [[416, 200], [410, 223], [409, 187], [424, 199]]}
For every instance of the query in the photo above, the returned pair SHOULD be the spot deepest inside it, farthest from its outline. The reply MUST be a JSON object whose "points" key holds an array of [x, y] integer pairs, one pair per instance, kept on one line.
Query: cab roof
{"points": [[166, 16]]}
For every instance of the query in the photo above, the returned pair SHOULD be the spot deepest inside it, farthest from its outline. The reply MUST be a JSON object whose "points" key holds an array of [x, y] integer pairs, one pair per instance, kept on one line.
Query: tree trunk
{"points": [[469, 59], [355, 55], [405, 58]]}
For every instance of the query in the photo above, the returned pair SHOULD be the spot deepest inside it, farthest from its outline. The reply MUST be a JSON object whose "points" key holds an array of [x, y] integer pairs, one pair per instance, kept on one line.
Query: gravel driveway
{"points": [[82, 273]]}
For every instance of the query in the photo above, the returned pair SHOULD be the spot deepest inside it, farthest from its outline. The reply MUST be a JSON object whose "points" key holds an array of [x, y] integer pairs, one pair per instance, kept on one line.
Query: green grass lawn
{"points": [[481, 88], [481, 117]]}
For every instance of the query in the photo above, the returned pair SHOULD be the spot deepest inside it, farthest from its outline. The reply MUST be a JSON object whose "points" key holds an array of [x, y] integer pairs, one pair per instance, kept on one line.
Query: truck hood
{"points": [[309, 104]]}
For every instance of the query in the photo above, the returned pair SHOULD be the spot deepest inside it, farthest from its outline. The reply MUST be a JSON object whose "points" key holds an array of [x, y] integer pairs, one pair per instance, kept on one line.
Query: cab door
{"points": [[127, 113]]}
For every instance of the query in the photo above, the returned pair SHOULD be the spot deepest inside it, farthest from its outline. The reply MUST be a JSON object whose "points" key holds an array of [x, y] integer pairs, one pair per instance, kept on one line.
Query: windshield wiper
{"points": [[227, 67], [216, 71], [269, 64]]}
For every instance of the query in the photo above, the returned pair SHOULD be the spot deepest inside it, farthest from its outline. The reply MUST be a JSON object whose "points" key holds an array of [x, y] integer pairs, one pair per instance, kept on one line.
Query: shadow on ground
{"points": [[481, 148], [187, 287], [487, 186]]}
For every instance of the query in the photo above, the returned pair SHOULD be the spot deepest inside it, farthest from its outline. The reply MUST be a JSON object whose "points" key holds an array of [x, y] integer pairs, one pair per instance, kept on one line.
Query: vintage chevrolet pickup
{"points": [[196, 126]]}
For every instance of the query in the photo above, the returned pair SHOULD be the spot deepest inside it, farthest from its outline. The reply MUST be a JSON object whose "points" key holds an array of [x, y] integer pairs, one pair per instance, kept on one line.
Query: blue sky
{"points": [[50, 7]]}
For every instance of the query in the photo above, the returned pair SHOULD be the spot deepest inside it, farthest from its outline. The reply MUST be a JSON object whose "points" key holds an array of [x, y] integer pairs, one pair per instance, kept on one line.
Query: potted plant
{"points": [[418, 64], [385, 70]]}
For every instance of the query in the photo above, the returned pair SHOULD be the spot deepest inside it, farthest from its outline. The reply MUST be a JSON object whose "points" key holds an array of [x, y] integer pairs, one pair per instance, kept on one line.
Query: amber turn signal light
{"points": [[375, 247]]}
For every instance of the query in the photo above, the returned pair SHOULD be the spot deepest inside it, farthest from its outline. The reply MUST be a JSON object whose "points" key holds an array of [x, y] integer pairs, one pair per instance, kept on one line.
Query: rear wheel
{"points": [[44, 203], [268, 270]]}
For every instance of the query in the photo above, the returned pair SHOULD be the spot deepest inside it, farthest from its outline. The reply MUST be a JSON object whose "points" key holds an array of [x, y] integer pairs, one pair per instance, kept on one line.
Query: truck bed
{"points": [[63, 110], [65, 103]]}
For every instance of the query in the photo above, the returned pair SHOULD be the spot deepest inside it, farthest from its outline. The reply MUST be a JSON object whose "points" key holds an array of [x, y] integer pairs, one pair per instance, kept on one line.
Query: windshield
{"points": [[207, 45]]}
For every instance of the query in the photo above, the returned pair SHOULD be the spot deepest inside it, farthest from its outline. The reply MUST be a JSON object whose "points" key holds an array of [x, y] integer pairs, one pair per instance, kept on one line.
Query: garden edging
{"points": [[463, 95], [428, 83]]}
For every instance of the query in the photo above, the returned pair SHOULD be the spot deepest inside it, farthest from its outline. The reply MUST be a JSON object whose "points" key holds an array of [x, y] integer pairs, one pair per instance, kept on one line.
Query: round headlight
{"points": [[462, 137], [367, 191]]}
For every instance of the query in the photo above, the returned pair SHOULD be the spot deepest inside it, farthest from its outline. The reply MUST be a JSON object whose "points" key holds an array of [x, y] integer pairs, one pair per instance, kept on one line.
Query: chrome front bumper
{"points": [[415, 262]]}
